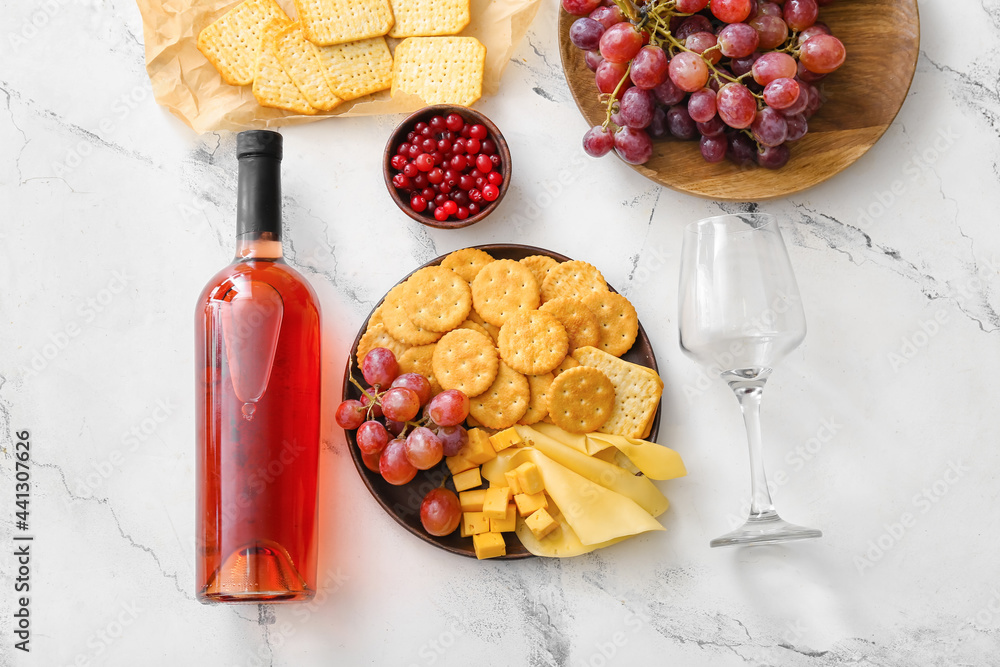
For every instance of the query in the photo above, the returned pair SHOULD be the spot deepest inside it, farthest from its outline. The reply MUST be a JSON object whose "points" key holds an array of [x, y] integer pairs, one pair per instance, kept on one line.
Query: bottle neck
{"points": [[258, 208]]}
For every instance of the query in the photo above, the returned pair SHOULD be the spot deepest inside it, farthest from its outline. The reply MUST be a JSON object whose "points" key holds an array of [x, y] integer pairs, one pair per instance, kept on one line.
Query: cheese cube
{"points": [[474, 523], [468, 479], [457, 464], [472, 501], [495, 502], [505, 439], [511, 476], [529, 478], [506, 524], [528, 503], [478, 450], [489, 545], [541, 523]]}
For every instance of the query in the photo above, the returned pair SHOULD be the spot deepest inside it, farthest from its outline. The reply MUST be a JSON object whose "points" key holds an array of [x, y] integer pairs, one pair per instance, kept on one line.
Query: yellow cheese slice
{"points": [[655, 461], [639, 489], [561, 543], [578, 441], [596, 514]]}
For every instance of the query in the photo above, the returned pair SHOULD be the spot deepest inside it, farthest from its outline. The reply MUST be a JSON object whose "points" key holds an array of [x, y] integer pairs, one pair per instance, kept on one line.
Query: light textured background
{"points": [[100, 187]]}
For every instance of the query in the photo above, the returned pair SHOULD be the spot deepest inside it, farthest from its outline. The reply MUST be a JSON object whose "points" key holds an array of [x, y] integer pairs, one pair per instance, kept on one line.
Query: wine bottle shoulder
{"points": [[291, 285]]}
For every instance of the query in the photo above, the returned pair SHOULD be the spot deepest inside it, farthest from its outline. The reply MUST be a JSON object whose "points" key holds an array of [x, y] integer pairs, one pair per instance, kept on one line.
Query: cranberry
{"points": [[458, 146], [444, 146], [401, 182], [398, 162], [494, 178], [472, 145], [428, 194], [404, 150], [462, 213], [410, 169], [491, 192], [461, 197], [466, 182], [435, 175], [495, 159], [489, 147], [454, 122], [414, 151], [420, 180], [418, 203], [450, 207], [424, 162], [411, 136], [473, 208], [478, 131], [467, 131], [420, 127], [459, 163], [484, 164], [476, 196], [440, 214], [428, 145], [440, 199], [437, 124]]}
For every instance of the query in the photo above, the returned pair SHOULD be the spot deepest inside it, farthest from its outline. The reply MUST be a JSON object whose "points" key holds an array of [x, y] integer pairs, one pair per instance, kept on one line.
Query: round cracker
{"points": [[581, 399], [419, 360], [540, 265], [476, 318], [618, 319], [504, 402], [538, 402], [567, 363], [579, 321], [465, 360], [467, 262], [503, 288], [377, 336], [533, 342], [398, 323], [575, 279], [437, 298]]}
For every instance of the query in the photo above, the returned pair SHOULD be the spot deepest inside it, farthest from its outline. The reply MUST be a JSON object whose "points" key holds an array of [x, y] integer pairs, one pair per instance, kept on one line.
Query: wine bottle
{"points": [[257, 330]]}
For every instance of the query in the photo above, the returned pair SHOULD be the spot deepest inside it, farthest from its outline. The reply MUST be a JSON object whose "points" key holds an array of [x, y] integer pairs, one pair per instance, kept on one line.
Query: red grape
{"points": [[452, 438], [417, 383], [449, 408], [350, 414], [813, 30], [593, 59], [440, 512], [608, 15], [702, 43], [580, 7], [620, 43], [822, 54], [423, 448], [800, 14], [738, 40], [667, 93], [636, 108], [736, 105], [701, 105], [691, 25], [772, 31], [371, 461], [798, 126], [688, 71], [769, 9], [649, 67], [782, 93], [585, 33], [730, 11], [372, 437], [712, 128], [713, 149], [769, 127], [610, 74], [394, 427], [598, 141], [633, 146], [773, 157], [658, 128], [691, 6], [400, 404], [774, 65], [680, 123], [393, 464], [742, 149]]}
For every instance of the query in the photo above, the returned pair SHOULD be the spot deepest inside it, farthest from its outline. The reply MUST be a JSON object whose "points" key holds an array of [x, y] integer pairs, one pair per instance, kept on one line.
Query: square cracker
{"points": [[423, 18], [440, 70], [231, 43], [357, 68], [637, 392], [299, 59], [272, 86], [327, 22]]}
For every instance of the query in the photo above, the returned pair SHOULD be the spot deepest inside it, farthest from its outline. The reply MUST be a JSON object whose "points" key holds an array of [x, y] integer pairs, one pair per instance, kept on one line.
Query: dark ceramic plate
{"points": [[403, 502]]}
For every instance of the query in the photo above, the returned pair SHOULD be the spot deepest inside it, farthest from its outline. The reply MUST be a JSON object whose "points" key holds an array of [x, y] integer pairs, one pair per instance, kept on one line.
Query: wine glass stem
{"points": [[748, 393]]}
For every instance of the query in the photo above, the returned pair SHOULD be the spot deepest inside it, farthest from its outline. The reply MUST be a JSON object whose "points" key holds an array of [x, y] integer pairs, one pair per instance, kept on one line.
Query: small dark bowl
{"points": [[399, 136]]}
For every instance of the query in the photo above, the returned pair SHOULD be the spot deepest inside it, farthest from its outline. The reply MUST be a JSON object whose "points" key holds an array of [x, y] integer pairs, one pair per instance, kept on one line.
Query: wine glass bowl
{"points": [[740, 313]]}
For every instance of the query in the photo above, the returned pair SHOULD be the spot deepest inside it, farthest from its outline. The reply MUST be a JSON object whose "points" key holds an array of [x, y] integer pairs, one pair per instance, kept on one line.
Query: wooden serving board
{"points": [[882, 38]]}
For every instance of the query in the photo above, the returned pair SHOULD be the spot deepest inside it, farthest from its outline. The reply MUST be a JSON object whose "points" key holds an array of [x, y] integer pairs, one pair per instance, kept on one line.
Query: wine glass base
{"points": [[768, 528]]}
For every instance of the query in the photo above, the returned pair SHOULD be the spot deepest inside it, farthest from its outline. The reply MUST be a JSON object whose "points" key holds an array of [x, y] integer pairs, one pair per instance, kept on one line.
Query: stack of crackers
{"points": [[337, 51], [528, 341]]}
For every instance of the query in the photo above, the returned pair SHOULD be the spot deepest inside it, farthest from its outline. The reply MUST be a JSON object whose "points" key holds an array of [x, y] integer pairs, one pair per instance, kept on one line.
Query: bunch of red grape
{"points": [[737, 75], [395, 442]]}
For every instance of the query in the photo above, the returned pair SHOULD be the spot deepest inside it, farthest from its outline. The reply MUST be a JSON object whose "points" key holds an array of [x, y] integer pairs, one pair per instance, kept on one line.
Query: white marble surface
{"points": [[114, 215]]}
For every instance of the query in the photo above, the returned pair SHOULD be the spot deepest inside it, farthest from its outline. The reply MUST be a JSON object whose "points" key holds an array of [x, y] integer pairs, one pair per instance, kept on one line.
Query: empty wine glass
{"points": [[740, 313]]}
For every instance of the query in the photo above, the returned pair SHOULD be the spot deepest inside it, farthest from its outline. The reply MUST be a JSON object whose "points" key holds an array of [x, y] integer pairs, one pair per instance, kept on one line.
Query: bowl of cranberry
{"points": [[447, 166]]}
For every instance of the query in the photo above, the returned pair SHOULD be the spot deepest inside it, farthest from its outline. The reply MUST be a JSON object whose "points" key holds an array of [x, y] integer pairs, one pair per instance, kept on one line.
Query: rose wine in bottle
{"points": [[257, 329]]}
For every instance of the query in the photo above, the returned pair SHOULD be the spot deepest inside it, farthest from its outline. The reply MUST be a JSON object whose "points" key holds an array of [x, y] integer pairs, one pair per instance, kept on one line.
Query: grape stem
{"points": [[614, 96]]}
